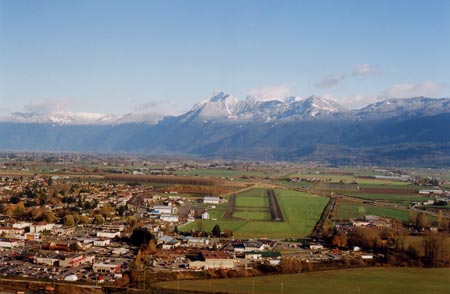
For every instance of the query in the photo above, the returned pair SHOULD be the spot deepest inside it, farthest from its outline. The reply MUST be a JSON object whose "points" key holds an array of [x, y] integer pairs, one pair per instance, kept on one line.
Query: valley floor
{"points": [[367, 281]]}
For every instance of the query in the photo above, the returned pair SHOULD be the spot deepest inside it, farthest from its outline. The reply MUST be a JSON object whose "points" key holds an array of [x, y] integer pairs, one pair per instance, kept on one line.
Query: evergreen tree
{"points": [[216, 231]]}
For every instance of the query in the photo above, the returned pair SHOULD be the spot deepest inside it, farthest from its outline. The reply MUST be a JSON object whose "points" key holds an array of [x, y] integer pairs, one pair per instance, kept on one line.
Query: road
{"points": [[49, 283]]}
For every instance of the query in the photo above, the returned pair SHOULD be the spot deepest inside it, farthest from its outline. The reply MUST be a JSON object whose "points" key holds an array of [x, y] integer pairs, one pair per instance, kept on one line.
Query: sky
{"points": [[164, 56]]}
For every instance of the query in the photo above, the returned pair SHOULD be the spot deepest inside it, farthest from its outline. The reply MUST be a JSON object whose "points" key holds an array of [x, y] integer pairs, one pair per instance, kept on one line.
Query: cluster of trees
{"points": [[422, 222], [31, 203], [429, 250], [163, 179], [426, 181], [286, 266], [199, 189], [200, 232]]}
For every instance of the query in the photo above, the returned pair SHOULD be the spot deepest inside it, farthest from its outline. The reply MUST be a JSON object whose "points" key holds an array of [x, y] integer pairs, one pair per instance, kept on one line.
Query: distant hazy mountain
{"points": [[59, 118], [396, 131], [82, 118], [412, 107]]}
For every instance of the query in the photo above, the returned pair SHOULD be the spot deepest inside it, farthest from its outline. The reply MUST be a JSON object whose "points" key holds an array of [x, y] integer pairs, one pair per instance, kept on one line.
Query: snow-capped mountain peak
{"points": [[223, 106], [220, 105], [292, 99], [323, 104]]}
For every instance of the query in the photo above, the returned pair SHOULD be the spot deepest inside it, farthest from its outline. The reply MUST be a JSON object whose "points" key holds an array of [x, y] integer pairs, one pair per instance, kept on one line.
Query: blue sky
{"points": [[164, 56]]}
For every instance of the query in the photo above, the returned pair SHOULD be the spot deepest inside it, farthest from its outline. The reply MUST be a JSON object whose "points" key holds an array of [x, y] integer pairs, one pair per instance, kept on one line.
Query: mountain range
{"points": [[403, 131]]}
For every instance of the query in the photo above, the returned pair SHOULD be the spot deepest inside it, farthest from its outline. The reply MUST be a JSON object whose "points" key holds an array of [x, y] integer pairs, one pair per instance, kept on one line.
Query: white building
{"points": [[197, 241], [76, 260], [51, 261], [21, 225], [315, 246], [205, 215], [431, 191], [162, 209], [211, 199], [120, 251], [171, 218], [102, 242], [38, 228], [10, 243], [12, 232], [109, 235], [106, 268], [214, 260]]}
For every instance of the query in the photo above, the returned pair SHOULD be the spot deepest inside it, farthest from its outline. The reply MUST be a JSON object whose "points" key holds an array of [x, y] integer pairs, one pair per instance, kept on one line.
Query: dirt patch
{"points": [[228, 215], [275, 210]]}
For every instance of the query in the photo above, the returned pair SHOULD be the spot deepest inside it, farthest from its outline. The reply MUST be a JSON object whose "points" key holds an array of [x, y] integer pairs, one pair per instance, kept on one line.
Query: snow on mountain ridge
{"points": [[60, 118], [222, 106], [415, 106]]}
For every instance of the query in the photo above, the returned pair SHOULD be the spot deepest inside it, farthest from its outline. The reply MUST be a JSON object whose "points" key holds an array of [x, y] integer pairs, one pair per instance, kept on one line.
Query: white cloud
{"points": [[265, 93], [405, 90], [358, 101], [158, 107], [401, 90], [49, 106], [365, 70], [330, 81]]}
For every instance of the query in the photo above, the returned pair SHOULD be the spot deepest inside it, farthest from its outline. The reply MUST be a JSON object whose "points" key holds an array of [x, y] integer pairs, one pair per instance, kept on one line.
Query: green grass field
{"points": [[253, 215], [252, 201], [301, 211], [366, 281], [390, 185], [221, 173], [387, 196], [336, 178], [349, 209], [253, 193]]}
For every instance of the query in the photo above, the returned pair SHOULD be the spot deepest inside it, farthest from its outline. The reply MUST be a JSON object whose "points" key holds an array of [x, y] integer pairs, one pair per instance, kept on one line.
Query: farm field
{"points": [[367, 281], [359, 179], [328, 177], [392, 185], [222, 173], [349, 209], [300, 211], [301, 184], [388, 196]]}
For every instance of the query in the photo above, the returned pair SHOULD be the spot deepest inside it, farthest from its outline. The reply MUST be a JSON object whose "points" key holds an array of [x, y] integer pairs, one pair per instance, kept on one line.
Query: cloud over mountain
{"points": [[365, 69], [48, 106], [330, 81], [265, 93], [428, 88]]}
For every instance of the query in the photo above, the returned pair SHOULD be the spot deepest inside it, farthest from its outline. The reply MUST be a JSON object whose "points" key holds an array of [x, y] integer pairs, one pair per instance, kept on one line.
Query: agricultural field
{"points": [[359, 178], [301, 184], [222, 173], [349, 209], [367, 281], [300, 213], [388, 196]]}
